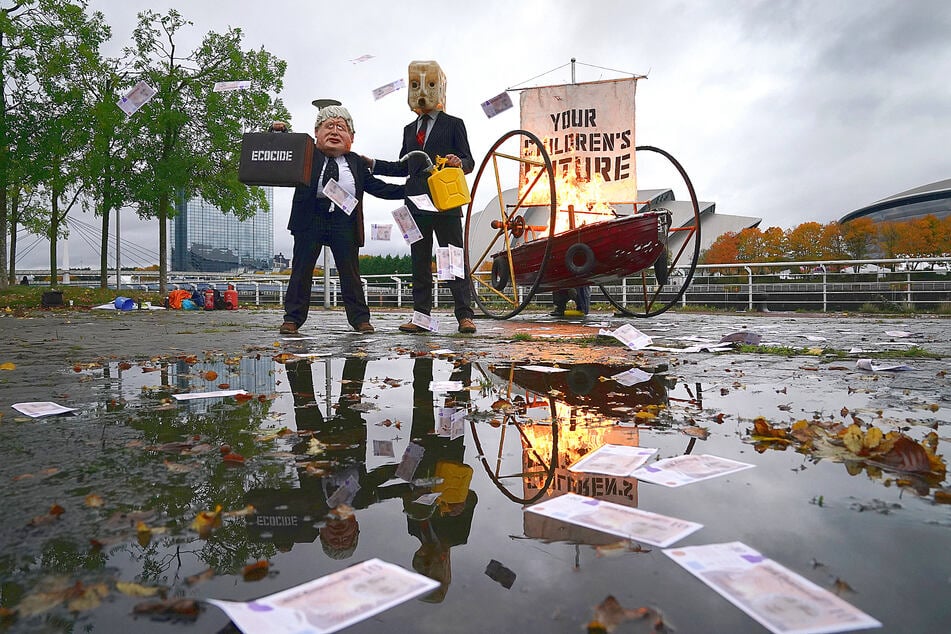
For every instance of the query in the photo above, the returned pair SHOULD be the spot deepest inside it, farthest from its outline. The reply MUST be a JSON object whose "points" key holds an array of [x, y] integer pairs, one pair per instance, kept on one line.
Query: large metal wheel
{"points": [[662, 286], [499, 288]]}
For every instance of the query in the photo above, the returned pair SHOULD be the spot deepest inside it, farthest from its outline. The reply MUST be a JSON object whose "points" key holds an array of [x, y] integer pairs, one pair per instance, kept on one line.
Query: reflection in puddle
{"points": [[343, 459]]}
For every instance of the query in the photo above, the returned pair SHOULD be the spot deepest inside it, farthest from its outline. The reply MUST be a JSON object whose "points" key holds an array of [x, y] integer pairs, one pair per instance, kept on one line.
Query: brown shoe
{"points": [[365, 328], [288, 328], [466, 325], [411, 328]]}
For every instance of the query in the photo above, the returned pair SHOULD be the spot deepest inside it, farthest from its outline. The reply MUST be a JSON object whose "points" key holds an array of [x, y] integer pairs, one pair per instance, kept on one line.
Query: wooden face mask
{"points": [[427, 87]]}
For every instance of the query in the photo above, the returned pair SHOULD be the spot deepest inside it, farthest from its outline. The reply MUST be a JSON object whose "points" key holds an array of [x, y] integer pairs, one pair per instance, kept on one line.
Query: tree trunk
{"points": [[4, 158], [53, 234], [163, 246], [104, 251], [12, 220]]}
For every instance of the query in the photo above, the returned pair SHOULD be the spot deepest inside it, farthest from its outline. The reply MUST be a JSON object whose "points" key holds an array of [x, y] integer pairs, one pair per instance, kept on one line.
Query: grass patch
{"points": [[915, 352], [522, 336], [23, 297]]}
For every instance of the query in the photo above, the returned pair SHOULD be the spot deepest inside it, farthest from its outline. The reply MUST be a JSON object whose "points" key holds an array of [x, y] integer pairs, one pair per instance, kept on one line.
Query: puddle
{"points": [[331, 460]]}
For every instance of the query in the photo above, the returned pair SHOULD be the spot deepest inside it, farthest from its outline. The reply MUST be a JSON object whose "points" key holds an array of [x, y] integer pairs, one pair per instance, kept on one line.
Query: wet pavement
{"points": [[100, 506]]}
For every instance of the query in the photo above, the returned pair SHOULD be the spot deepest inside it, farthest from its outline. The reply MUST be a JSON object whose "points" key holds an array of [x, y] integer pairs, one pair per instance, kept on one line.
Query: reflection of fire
{"points": [[579, 433], [574, 190]]}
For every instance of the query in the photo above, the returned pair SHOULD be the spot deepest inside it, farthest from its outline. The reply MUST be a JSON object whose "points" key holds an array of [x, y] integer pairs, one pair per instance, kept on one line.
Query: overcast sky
{"points": [[787, 110]]}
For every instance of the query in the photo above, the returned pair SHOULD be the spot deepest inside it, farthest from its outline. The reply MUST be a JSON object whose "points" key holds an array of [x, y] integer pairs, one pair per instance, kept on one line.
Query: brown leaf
{"points": [[136, 590], [610, 613], [256, 571], [907, 455], [201, 576], [210, 375], [696, 432], [181, 608]]}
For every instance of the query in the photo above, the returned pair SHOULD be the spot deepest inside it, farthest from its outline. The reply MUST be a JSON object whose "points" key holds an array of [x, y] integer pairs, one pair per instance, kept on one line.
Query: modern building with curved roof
{"points": [[933, 199]]}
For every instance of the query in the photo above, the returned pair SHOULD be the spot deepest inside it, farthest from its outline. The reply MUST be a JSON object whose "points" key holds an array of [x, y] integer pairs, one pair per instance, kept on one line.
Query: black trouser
{"points": [[448, 230], [337, 232]]}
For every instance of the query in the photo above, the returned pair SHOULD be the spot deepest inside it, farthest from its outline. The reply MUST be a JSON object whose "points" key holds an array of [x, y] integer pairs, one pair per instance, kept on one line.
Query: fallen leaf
{"points": [[610, 613], [201, 576], [181, 608], [135, 590], [233, 458], [696, 432], [206, 521], [256, 571], [8, 366], [210, 375], [93, 500]]}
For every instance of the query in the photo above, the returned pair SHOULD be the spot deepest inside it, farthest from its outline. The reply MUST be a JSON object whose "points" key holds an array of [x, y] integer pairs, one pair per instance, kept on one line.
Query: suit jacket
{"points": [[447, 135], [304, 206]]}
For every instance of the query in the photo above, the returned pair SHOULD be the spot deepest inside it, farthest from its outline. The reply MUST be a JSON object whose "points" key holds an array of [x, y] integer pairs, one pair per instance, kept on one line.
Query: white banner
{"points": [[588, 131]]}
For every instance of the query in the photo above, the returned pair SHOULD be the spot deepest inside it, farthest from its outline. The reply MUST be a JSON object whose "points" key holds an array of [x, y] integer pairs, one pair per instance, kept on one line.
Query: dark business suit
{"points": [[313, 226], [446, 135]]}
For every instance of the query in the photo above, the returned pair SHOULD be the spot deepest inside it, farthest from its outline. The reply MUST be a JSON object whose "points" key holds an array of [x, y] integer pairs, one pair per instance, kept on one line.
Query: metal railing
{"points": [[893, 284]]}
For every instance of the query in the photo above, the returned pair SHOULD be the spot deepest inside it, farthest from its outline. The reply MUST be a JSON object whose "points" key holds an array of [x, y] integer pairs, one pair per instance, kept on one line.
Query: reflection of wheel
{"points": [[581, 380], [499, 287], [547, 458], [656, 294], [579, 259]]}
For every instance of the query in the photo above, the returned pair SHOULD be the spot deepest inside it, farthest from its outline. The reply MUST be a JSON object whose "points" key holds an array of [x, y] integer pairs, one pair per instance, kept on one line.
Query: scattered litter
{"points": [[541, 368], [743, 337], [608, 517], [190, 396], [774, 596], [37, 409], [330, 603], [438, 387], [632, 377], [428, 322], [428, 499], [687, 469], [617, 460], [900, 334], [411, 459], [692, 349], [497, 572], [629, 336], [872, 366]]}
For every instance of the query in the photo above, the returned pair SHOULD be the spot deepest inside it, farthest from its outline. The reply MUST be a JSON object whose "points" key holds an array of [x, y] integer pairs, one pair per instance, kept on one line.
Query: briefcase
{"points": [[279, 159]]}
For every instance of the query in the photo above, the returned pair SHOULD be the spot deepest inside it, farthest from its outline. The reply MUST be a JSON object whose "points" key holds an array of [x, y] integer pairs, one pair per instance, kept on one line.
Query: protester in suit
{"points": [[437, 134], [317, 222]]}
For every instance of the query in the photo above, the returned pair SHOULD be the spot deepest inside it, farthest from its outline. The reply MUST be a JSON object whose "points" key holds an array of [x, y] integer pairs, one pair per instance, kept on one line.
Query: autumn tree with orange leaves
{"points": [[812, 241]]}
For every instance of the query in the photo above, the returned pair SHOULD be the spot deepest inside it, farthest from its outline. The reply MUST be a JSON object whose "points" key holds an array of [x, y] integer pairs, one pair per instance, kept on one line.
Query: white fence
{"points": [[919, 284]]}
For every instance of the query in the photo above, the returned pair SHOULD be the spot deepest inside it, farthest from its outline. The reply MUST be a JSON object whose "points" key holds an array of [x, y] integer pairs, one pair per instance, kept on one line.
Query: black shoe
{"points": [[558, 312]]}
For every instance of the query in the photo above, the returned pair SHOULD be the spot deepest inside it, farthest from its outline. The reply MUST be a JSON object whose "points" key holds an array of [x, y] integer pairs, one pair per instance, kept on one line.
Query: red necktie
{"points": [[421, 133]]}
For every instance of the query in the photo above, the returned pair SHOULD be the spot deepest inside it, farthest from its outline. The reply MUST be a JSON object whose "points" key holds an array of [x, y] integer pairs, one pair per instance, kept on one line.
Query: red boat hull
{"points": [[595, 253]]}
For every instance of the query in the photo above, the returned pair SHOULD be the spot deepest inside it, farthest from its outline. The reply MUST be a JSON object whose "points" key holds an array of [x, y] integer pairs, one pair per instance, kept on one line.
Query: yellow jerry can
{"points": [[447, 186]]}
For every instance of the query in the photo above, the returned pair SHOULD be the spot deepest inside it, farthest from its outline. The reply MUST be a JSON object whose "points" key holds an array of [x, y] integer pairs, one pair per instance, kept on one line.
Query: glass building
{"points": [[206, 239], [933, 199]]}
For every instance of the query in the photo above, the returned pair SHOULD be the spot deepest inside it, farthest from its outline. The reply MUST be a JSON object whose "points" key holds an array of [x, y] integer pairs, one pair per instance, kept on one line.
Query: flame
{"points": [[574, 190], [580, 433]]}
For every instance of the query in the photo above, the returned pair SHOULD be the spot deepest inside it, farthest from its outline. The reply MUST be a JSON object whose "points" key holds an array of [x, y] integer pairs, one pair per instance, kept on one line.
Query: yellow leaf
{"points": [[873, 437], [93, 500], [8, 366], [852, 438], [135, 590], [206, 521]]}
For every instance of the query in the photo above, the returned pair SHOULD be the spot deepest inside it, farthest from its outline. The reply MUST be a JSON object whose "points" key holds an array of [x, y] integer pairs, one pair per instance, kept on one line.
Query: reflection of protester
{"points": [[316, 221], [447, 522], [580, 295], [339, 537], [24, 281], [437, 134]]}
